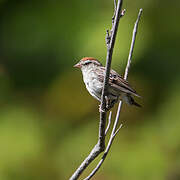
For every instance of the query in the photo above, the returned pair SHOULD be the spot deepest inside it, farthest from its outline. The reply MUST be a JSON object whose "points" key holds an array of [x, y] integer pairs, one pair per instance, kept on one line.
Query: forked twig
{"points": [[100, 146], [104, 155], [115, 130]]}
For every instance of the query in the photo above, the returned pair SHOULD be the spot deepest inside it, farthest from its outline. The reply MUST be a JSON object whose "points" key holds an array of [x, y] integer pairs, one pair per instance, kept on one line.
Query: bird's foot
{"points": [[111, 104], [101, 110]]}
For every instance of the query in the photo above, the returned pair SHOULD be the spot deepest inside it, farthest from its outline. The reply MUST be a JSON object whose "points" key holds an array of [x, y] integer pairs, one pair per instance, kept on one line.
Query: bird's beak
{"points": [[77, 65]]}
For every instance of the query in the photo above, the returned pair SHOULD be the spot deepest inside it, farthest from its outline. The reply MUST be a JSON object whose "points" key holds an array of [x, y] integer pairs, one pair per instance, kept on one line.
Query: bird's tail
{"points": [[136, 104], [129, 100], [133, 102]]}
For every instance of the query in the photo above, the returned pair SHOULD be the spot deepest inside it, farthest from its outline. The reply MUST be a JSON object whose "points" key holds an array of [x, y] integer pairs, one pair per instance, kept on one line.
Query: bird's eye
{"points": [[87, 62]]}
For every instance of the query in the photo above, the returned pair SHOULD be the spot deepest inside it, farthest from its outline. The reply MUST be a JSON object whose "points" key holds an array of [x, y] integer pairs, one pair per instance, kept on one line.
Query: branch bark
{"points": [[132, 44], [100, 146], [115, 130], [110, 47]]}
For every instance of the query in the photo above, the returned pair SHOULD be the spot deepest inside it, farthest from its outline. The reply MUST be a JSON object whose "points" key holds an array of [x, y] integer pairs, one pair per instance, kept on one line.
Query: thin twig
{"points": [[115, 7], [115, 130], [109, 122], [132, 44], [126, 71], [106, 78], [100, 146]]}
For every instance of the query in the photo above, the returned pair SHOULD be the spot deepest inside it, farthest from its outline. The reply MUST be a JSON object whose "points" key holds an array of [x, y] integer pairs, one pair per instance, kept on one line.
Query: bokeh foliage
{"points": [[49, 122]]}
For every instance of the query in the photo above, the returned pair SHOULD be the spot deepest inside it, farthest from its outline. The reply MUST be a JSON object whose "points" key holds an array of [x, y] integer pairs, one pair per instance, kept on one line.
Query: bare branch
{"points": [[100, 146], [127, 70], [121, 125], [132, 44], [106, 78], [109, 55], [104, 155], [115, 130], [115, 7], [109, 122], [116, 119]]}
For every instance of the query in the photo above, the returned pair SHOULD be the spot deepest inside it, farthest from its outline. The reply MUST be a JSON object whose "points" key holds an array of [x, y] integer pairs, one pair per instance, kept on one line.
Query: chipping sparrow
{"points": [[93, 76]]}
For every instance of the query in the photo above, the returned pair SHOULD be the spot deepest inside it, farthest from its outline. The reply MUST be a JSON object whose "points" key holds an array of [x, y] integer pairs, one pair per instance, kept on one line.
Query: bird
{"points": [[118, 89]]}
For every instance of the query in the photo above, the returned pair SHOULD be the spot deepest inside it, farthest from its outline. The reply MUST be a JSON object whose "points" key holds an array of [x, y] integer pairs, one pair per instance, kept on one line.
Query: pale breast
{"points": [[93, 85]]}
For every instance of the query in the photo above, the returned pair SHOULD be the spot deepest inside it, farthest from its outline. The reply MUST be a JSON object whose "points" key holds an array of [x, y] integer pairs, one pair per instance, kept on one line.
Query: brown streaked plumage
{"points": [[93, 76]]}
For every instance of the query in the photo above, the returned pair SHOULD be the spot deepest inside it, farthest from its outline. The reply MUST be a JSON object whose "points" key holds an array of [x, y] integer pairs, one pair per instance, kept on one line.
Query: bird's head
{"points": [[86, 62]]}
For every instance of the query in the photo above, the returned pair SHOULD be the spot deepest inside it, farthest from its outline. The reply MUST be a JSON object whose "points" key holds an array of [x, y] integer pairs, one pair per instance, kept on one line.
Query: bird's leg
{"points": [[101, 110], [111, 103], [108, 102], [107, 105]]}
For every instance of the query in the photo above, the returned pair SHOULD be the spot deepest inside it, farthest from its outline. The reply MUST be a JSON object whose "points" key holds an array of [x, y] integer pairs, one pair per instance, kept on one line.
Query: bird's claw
{"points": [[101, 110]]}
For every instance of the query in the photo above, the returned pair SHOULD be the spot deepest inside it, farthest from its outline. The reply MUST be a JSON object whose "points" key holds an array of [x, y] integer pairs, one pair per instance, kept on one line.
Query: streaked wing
{"points": [[118, 83]]}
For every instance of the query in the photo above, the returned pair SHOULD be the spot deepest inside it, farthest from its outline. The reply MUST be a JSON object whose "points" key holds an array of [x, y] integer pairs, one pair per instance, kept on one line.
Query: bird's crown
{"points": [[88, 60]]}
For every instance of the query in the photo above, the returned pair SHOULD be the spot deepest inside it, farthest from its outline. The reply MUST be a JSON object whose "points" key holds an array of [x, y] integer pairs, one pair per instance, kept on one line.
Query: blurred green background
{"points": [[49, 122]]}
